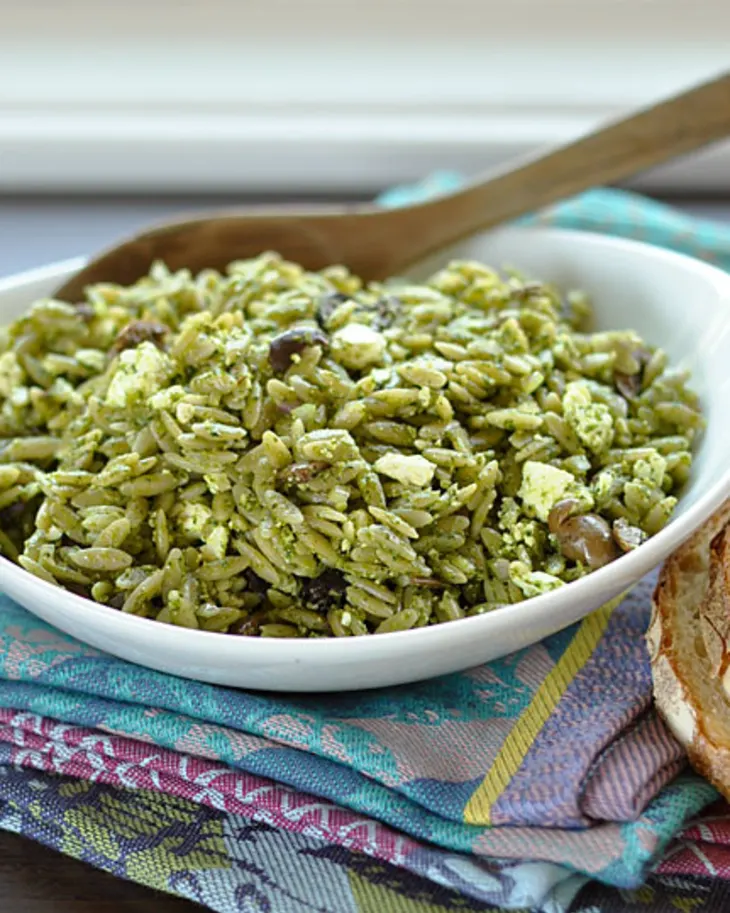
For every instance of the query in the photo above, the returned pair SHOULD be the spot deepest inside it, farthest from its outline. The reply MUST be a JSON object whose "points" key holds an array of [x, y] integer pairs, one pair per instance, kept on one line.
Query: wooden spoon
{"points": [[376, 243]]}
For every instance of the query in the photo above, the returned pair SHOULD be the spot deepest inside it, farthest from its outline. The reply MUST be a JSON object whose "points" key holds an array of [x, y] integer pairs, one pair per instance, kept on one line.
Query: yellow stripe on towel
{"points": [[534, 716]]}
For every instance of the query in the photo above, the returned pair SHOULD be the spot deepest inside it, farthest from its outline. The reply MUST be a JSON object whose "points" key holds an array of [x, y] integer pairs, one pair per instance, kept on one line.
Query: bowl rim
{"points": [[629, 567]]}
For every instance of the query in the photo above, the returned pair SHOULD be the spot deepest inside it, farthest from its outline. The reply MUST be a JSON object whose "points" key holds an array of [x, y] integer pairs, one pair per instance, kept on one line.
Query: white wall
{"points": [[330, 94]]}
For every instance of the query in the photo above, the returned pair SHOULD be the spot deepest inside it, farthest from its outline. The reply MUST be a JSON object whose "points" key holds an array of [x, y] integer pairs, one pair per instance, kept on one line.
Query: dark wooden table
{"points": [[34, 879]]}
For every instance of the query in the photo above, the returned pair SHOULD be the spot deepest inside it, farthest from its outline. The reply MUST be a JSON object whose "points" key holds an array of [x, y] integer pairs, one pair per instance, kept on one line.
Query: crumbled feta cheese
{"points": [[357, 346], [20, 397], [594, 426], [167, 398], [410, 470], [575, 396], [216, 544], [185, 413], [11, 374], [651, 469], [195, 520], [592, 422], [543, 486], [333, 445], [140, 373], [533, 583], [217, 482]]}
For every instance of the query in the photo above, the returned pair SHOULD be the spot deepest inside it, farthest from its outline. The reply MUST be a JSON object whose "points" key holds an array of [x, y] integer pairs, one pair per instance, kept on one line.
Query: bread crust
{"points": [[693, 589], [715, 608]]}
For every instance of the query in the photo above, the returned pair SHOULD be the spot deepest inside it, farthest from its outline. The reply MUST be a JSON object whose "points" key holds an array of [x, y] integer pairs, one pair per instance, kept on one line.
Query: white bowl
{"points": [[673, 301]]}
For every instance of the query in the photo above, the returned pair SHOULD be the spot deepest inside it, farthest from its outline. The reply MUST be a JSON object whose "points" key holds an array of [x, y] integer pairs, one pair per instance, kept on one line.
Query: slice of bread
{"points": [[715, 609], [688, 641]]}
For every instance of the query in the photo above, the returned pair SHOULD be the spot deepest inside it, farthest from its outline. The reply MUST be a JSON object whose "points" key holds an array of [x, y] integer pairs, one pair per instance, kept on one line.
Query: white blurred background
{"points": [[328, 95], [129, 110]]}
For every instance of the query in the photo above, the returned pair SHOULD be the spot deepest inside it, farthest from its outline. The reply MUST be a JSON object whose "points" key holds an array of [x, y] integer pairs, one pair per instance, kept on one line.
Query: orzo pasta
{"points": [[284, 453]]}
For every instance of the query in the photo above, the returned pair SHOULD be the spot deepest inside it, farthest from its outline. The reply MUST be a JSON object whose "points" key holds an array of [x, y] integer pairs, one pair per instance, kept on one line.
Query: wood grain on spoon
{"points": [[376, 243]]}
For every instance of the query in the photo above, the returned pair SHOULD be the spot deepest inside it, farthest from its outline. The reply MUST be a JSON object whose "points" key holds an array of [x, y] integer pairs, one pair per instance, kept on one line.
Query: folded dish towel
{"points": [[232, 862], [552, 755], [558, 742], [181, 841]]}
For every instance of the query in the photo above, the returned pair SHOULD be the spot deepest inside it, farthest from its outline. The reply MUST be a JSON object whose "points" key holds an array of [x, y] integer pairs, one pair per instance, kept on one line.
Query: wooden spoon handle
{"points": [[621, 149]]}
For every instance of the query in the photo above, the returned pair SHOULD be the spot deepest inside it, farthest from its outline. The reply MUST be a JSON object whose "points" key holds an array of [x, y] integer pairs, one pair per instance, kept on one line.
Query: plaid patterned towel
{"points": [[229, 862], [234, 862], [560, 735], [702, 850]]}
